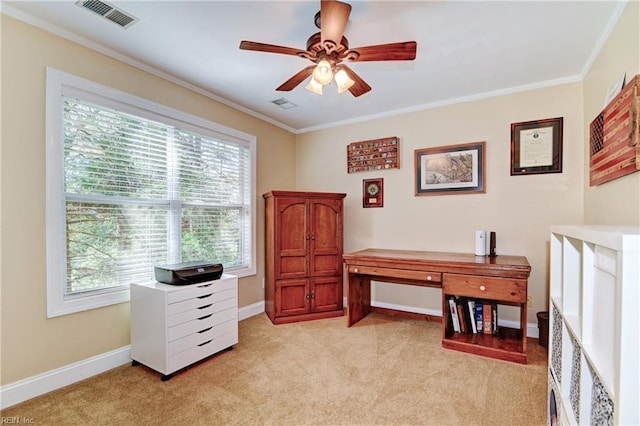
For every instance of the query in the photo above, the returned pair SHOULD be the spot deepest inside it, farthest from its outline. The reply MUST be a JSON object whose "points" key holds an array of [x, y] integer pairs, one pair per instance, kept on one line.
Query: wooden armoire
{"points": [[303, 255]]}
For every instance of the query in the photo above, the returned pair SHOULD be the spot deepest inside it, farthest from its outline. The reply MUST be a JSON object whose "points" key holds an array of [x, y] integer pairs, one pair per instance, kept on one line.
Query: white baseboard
{"points": [[532, 329], [23, 390], [40, 384], [250, 310]]}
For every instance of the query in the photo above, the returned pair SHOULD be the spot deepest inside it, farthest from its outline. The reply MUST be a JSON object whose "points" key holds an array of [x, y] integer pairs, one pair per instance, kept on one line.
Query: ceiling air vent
{"points": [[108, 11], [284, 103]]}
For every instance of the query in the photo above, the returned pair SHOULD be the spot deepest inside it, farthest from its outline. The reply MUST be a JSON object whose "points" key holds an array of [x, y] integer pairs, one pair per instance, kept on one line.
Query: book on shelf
{"points": [[461, 315], [487, 327], [479, 317], [453, 309], [494, 317], [471, 304]]}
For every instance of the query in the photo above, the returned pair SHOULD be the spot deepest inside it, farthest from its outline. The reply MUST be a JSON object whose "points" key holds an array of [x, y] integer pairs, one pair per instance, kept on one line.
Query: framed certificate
{"points": [[536, 147]]}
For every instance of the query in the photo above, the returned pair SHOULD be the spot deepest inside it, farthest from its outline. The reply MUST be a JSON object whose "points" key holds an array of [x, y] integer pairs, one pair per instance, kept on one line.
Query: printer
{"points": [[188, 272]]}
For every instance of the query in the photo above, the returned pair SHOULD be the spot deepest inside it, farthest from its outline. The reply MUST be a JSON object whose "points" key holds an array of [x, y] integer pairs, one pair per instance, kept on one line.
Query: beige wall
{"points": [[519, 208], [31, 343], [618, 201]]}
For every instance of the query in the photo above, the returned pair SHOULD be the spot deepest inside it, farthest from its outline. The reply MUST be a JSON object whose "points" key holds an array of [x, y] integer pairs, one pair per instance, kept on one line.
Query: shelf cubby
{"points": [[594, 373]]}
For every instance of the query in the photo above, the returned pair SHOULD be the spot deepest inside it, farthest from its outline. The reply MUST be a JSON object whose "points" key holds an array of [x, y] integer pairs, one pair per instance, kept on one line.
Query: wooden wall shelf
{"points": [[376, 154]]}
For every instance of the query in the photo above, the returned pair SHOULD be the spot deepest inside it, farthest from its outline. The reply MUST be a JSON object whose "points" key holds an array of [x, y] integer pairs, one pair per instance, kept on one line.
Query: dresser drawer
{"points": [[499, 289], [198, 290], [203, 311], [200, 301], [203, 350], [201, 323], [201, 337]]}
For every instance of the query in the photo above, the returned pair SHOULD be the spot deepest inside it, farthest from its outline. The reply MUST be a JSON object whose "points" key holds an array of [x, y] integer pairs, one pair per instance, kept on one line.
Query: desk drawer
{"points": [[435, 277], [499, 289]]}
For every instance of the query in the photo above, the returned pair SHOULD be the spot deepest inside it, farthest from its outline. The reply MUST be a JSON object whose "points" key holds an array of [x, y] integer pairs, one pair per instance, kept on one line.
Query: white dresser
{"points": [[594, 349], [175, 326]]}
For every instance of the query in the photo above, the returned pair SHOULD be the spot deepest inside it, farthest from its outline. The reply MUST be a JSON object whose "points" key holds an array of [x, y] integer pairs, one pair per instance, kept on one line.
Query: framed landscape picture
{"points": [[452, 169]]}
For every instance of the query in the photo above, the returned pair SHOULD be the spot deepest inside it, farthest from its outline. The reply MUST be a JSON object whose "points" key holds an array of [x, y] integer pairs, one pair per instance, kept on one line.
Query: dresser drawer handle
{"points": [[206, 343], [513, 293], [205, 296], [482, 288], [355, 270], [204, 285], [205, 330], [429, 278], [205, 317], [205, 306]]}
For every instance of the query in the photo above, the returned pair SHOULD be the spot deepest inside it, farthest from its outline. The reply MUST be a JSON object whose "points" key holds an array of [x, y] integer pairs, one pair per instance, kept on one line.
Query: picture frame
{"points": [[373, 192], [536, 147], [451, 169]]}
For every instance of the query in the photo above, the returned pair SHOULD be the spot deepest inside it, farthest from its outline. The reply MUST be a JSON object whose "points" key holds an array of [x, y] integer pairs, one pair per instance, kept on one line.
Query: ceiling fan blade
{"points": [[298, 78], [360, 87], [334, 16], [403, 51], [270, 48]]}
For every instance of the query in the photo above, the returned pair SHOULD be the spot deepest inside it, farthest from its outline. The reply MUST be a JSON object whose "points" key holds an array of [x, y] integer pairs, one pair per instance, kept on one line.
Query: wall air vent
{"points": [[109, 12]]}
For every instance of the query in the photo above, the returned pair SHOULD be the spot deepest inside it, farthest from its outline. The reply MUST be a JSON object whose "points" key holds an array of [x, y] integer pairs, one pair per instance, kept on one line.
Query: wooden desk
{"points": [[502, 279]]}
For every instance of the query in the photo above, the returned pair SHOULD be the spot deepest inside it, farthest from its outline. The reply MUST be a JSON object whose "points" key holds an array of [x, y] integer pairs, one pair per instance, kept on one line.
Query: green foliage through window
{"points": [[139, 193]]}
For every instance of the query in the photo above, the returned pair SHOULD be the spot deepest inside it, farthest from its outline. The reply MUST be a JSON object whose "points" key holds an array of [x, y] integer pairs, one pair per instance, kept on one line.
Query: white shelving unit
{"points": [[594, 355]]}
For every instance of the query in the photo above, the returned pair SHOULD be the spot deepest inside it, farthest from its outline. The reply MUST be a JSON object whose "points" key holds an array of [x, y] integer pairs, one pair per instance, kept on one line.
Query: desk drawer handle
{"points": [[429, 278], [482, 288], [355, 270]]}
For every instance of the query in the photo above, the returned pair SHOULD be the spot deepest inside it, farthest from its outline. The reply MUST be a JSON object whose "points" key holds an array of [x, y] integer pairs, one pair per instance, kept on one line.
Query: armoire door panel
{"points": [[292, 225], [326, 241], [327, 294], [324, 265], [292, 297], [292, 267], [327, 225], [292, 239]]}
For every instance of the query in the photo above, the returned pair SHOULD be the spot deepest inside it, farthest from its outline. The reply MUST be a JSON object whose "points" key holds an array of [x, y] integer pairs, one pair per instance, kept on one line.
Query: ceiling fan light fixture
{"points": [[343, 81], [323, 73], [314, 86]]}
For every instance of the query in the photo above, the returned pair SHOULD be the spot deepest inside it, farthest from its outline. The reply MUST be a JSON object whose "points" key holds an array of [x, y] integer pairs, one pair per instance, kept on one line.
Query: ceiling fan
{"points": [[329, 50]]}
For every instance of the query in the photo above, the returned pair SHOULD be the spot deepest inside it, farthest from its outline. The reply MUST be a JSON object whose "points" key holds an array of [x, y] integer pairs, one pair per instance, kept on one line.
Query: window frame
{"points": [[59, 83]]}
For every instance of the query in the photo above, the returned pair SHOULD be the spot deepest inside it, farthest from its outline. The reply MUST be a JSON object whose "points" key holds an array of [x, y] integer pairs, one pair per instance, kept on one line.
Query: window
{"points": [[132, 184]]}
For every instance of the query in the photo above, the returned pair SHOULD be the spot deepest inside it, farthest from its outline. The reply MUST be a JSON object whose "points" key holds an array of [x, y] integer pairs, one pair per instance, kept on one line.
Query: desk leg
{"points": [[359, 298]]}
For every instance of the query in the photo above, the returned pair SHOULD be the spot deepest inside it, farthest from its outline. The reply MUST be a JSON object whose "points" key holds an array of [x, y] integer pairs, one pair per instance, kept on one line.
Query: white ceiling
{"points": [[466, 49]]}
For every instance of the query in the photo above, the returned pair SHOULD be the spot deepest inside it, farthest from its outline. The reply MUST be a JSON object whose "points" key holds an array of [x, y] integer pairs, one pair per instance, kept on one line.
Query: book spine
{"points": [[471, 304], [479, 317], [461, 315], [488, 319], [454, 314], [494, 317]]}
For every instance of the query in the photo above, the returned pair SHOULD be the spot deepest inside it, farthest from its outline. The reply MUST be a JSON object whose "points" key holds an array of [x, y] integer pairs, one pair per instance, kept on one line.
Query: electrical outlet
{"points": [[262, 282], [529, 301]]}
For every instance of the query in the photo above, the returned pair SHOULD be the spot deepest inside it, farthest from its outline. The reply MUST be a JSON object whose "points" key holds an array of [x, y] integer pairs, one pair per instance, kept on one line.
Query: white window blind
{"points": [[140, 190]]}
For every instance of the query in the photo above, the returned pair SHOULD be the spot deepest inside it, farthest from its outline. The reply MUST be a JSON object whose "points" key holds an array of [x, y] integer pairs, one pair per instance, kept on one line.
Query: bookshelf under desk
{"points": [[501, 280]]}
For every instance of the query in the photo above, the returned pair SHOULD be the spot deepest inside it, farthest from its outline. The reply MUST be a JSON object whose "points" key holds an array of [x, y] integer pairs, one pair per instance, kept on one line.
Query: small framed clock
{"points": [[372, 193]]}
